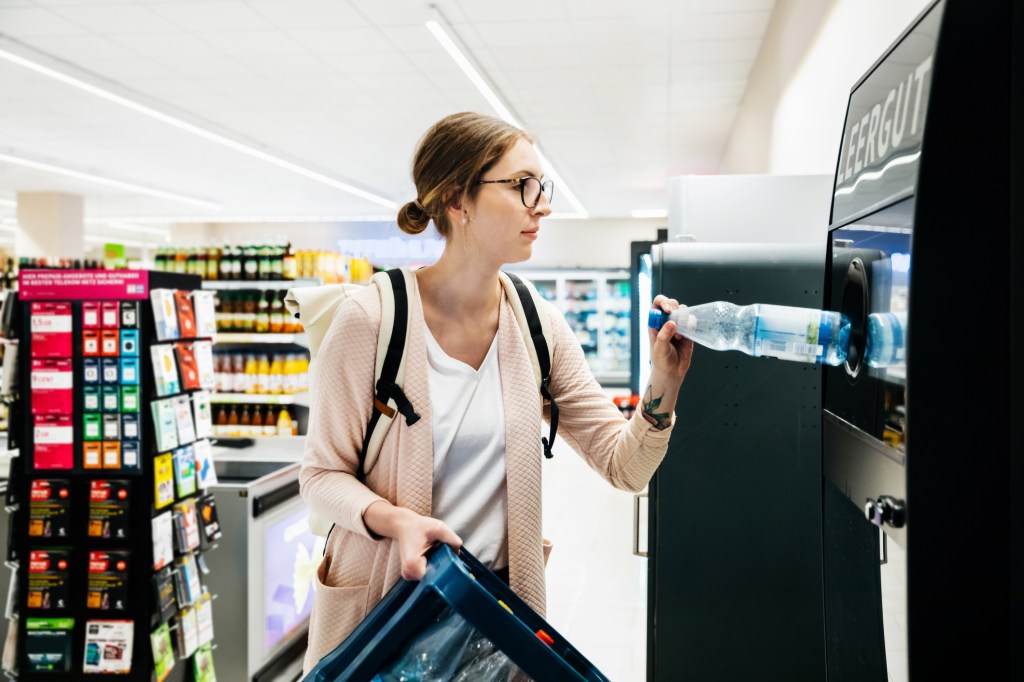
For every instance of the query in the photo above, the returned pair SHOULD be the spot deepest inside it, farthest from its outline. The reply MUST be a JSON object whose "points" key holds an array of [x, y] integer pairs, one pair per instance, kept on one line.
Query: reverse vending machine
{"points": [[921, 427]]}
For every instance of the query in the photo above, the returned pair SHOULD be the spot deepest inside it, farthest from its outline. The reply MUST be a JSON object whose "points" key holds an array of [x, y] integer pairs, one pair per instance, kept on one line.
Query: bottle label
{"points": [[787, 333]]}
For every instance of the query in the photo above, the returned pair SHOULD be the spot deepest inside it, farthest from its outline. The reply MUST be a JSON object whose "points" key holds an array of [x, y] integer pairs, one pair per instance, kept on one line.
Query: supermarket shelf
{"points": [[234, 337], [261, 284], [301, 399]]}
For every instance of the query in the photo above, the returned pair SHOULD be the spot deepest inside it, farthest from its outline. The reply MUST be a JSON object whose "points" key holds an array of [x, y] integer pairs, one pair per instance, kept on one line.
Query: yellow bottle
{"points": [[251, 374], [276, 383], [263, 375], [301, 374], [284, 422]]}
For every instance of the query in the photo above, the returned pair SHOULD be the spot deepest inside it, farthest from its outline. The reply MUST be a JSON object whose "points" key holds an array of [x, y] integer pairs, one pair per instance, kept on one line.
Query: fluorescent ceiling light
{"points": [[649, 213], [181, 124], [100, 180], [448, 39], [376, 218]]}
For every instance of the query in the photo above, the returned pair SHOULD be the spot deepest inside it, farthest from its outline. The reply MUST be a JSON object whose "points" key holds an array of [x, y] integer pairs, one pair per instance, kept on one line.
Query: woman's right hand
{"points": [[414, 533]]}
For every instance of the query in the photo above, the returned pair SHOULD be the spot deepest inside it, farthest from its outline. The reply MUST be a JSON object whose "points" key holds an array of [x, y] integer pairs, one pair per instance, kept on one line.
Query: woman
{"points": [[470, 468]]}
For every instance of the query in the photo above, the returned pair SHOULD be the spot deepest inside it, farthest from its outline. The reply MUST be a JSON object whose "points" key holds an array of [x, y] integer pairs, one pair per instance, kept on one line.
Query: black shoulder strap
{"points": [[540, 344], [386, 387]]}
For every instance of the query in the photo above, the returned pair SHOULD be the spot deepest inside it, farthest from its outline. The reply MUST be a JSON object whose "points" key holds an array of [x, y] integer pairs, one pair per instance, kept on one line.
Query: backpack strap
{"points": [[389, 371], [537, 335]]}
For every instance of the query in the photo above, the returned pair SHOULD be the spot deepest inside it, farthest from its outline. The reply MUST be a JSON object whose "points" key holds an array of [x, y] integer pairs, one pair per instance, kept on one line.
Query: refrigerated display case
{"points": [[922, 572], [596, 304]]}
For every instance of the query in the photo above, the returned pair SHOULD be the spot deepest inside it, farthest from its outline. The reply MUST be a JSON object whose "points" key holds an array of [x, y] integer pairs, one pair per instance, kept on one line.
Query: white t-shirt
{"points": [[470, 492]]}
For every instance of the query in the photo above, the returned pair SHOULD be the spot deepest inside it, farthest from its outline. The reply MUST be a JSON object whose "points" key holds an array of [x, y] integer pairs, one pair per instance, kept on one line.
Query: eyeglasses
{"points": [[530, 189]]}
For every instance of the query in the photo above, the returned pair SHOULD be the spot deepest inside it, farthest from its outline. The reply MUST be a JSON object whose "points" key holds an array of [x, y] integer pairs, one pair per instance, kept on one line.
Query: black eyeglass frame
{"points": [[545, 187]]}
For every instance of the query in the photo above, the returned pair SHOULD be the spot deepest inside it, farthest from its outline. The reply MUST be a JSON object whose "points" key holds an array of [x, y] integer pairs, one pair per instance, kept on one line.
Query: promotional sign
{"points": [[76, 285]]}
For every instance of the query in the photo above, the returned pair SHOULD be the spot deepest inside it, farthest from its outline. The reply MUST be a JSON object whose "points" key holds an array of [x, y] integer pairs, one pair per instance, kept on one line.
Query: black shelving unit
{"points": [[139, 603]]}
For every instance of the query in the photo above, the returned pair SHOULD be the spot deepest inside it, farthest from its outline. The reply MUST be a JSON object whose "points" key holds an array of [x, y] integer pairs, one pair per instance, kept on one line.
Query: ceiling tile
{"points": [[252, 43], [714, 51], [213, 15], [116, 19], [309, 13], [74, 48], [720, 26], [347, 40], [31, 22], [522, 35], [172, 44]]}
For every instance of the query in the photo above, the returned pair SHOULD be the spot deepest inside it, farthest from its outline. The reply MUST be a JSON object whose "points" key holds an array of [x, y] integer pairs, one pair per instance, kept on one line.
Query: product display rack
{"points": [[262, 343], [133, 588], [595, 303]]}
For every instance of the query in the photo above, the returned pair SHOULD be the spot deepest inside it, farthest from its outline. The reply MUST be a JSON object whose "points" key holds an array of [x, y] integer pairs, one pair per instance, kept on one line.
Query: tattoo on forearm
{"points": [[661, 420]]}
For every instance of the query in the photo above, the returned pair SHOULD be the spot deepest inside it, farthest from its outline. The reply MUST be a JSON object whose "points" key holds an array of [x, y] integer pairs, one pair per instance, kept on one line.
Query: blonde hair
{"points": [[450, 159]]}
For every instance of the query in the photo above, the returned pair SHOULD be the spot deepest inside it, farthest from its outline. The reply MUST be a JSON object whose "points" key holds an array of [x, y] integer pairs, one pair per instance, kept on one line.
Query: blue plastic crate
{"points": [[457, 586]]}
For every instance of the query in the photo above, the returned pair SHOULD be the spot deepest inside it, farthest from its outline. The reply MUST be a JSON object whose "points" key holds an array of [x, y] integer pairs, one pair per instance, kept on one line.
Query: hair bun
{"points": [[412, 218]]}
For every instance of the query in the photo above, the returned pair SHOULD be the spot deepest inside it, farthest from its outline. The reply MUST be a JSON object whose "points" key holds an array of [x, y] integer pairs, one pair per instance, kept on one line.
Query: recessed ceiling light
{"points": [[10, 50], [446, 36]]}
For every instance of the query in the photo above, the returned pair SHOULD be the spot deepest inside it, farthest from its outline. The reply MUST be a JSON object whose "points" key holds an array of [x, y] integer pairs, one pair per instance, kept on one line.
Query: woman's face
{"points": [[500, 225]]}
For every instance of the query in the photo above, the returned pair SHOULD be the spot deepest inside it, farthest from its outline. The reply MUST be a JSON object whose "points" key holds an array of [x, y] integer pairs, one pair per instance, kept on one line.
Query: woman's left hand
{"points": [[670, 354]]}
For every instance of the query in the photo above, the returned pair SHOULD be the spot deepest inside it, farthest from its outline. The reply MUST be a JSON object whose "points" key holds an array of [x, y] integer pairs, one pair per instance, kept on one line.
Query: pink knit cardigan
{"points": [[357, 569]]}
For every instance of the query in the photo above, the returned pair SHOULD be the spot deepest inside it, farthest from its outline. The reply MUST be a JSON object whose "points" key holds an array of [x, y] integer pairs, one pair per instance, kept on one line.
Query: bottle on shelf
{"points": [[269, 421], [256, 423], [213, 263], [249, 313], [262, 375], [245, 422], [220, 421], [262, 325], [288, 265], [232, 426], [784, 332], [277, 312], [250, 262], [284, 422]]}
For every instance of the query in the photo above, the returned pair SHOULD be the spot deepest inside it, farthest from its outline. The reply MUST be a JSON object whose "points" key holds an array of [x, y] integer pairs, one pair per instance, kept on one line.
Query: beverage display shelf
{"points": [[261, 284], [266, 338], [300, 399]]}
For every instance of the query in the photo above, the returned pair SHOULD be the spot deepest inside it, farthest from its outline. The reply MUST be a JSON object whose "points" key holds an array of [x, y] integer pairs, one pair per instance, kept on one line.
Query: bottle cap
{"points": [[656, 319]]}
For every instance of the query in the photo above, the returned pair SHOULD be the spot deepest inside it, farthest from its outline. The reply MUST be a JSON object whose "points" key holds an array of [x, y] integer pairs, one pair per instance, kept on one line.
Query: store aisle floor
{"points": [[597, 589]]}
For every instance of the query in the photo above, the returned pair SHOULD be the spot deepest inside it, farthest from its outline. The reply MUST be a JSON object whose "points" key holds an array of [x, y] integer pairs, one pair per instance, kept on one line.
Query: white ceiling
{"points": [[621, 95]]}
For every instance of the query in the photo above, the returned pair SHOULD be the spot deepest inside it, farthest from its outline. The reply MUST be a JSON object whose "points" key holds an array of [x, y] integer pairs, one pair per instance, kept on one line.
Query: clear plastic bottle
{"points": [[887, 339], [784, 332]]}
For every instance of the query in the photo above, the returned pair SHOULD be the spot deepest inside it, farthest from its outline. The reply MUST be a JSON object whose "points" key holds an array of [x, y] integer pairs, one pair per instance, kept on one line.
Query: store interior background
{"points": [[621, 96]]}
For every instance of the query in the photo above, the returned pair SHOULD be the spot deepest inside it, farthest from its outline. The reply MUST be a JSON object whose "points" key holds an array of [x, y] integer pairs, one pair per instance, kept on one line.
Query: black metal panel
{"points": [[963, 374], [853, 593], [735, 578]]}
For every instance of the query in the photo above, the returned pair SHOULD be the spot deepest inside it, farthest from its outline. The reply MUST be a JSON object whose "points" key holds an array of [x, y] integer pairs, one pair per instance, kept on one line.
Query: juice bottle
{"points": [[245, 422], [269, 424], [256, 425], [276, 299], [263, 375], [262, 315], [250, 382], [275, 384], [220, 421], [284, 422], [232, 427]]}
